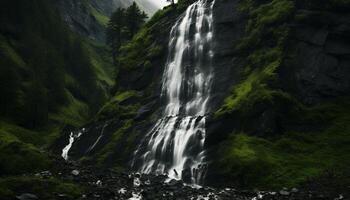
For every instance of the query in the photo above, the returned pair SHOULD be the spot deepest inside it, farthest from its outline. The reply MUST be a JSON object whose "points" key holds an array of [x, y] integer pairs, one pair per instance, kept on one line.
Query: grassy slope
{"points": [[43, 188], [22, 147], [293, 157]]}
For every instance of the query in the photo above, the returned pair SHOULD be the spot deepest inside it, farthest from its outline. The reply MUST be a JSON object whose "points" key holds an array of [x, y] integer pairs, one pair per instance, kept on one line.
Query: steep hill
{"points": [[50, 78]]}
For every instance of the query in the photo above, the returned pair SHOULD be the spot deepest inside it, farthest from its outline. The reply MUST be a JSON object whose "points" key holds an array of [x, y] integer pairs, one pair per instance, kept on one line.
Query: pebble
{"points": [[27, 196], [284, 193], [75, 172], [295, 190]]}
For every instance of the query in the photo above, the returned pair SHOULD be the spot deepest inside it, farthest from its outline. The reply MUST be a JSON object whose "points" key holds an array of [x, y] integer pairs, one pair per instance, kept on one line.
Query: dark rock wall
{"points": [[82, 15], [317, 67], [229, 27]]}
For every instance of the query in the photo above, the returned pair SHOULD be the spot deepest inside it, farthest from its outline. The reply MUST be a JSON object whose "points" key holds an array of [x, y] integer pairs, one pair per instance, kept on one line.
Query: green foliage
{"points": [[140, 49], [43, 188], [263, 47], [47, 72], [102, 62], [102, 19], [251, 91], [135, 18], [123, 25], [247, 160], [108, 150], [114, 108], [18, 157], [295, 157], [49, 78], [75, 113]]}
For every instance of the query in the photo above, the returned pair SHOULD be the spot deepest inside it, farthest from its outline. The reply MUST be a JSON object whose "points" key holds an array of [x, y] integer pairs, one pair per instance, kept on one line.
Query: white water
{"points": [[176, 141], [98, 139], [72, 137]]}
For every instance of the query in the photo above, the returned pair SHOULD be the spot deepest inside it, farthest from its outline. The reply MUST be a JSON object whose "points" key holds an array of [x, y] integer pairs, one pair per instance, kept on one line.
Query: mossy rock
{"points": [[18, 157], [43, 188]]}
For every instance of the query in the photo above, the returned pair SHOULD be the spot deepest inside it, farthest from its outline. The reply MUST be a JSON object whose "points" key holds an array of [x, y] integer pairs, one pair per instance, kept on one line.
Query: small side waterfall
{"points": [[175, 144], [72, 137]]}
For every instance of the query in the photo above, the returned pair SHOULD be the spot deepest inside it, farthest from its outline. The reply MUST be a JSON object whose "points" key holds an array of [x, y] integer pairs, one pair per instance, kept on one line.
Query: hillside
{"points": [[50, 78], [238, 99]]}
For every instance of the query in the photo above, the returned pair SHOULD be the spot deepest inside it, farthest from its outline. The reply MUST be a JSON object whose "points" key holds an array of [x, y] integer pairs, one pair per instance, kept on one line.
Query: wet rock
{"points": [[75, 172], [337, 46], [27, 196], [147, 182], [294, 190], [99, 183], [284, 193], [64, 196], [186, 175], [312, 35], [137, 182], [44, 174]]}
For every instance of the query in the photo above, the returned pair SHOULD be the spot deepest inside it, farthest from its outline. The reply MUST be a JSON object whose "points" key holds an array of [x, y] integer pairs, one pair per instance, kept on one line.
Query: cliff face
{"points": [[289, 92], [280, 94], [89, 17], [86, 18]]}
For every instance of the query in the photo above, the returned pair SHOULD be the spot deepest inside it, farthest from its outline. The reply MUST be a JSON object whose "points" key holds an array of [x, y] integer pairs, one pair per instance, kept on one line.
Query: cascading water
{"points": [[72, 137], [175, 143]]}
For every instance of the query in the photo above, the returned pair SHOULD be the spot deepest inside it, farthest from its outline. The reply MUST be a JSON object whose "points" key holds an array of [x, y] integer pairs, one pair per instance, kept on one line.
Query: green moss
{"points": [[145, 45], [101, 60], [133, 53], [102, 19], [247, 160], [20, 157], [75, 113], [108, 149], [124, 96], [252, 90], [43, 188], [114, 108], [294, 157], [7, 52], [263, 48]]}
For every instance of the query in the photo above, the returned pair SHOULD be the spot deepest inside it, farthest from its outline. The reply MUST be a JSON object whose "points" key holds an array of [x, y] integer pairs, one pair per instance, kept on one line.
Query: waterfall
{"points": [[72, 137], [175, 144]]}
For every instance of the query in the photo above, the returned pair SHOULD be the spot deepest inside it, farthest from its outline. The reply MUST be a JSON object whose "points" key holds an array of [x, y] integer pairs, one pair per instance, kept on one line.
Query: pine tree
{"points": [[135, 18], [122, 26], [116, 31]]}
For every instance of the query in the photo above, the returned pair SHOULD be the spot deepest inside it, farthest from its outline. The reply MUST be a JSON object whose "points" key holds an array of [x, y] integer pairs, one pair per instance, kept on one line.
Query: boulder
{"points": [[75, 172]]}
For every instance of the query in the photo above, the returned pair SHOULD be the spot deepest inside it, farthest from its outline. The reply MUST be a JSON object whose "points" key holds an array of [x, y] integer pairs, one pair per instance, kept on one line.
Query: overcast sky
{"points": [[158, 3]]}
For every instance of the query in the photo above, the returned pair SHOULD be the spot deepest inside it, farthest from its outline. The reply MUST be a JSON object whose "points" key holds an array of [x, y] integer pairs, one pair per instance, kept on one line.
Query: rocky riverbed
{"points": [[109, 184]]}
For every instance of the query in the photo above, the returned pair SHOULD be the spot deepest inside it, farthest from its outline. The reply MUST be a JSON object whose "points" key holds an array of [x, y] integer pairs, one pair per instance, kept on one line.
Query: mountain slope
{"points": [[50, 78]]}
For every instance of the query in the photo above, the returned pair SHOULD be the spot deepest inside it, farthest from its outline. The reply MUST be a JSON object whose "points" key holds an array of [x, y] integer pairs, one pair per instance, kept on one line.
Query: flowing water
{"points": [[72, 137], [174, 146]]}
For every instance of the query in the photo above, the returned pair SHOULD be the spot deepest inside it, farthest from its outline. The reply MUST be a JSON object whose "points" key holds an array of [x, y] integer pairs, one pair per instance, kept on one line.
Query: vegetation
{"points": [[123, 25], [290, 157], [264, 48], [49, 78], [117, 108], [43, 188], [293, 158]]}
